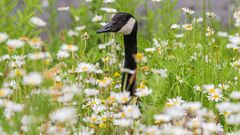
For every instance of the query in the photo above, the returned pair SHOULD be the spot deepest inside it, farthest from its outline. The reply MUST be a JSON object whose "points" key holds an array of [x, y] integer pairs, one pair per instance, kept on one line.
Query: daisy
{"points": [[139, 57], [3, 37], [76, 18], [80, 28], [174, 102], [179, 35], [38, 55], [222, 34], [143, 91], [25, 121], [38, 22], [188, 27], [161, 118], [162, 72], [188, 11], [45, 4], [108, 1], [150, 50], [36, 43], [94, 119], [123, 122], [5, 57], [209, 88], [235, 95], [11, 108], [69, 47], [18, 72], [91, 92], [98, 108], [63, 8], [33, 78], [103, 23], [211, 14], [235, 40], [123, 97], [85, 67], [72, 33], [67, 93], [156, 0], [131, 111], [109, 10], [15, 43], [97, 18], [209, 32], [65, 115], [175, 26], [88, 0], [236, 16], [225, 108], [215, 97], [85, 131], [112, 98], [4, 92], [152, 130], [62, 54], [105, 82]]}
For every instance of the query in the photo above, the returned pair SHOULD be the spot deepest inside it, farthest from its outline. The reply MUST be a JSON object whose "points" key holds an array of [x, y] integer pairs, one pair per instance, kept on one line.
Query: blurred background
{"points": [[148, 13], [223, 8]]}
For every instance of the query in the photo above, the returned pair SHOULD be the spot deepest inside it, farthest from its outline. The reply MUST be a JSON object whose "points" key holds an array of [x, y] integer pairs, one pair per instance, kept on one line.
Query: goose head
{"points": [[122, 22]]}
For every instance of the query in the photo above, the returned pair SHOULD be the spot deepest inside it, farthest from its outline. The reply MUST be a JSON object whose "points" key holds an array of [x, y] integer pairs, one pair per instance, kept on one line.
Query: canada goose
{"points": [[127, 25]]}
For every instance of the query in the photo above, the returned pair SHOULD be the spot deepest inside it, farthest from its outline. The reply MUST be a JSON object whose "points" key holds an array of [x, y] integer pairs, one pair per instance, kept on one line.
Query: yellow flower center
{"points": [[102, 125], [226, 113], [116, 74], [104, 119], [216, 96], [93, 102], [122, 115], [139, 56], [211, 90], [124, 99], [2, 93], [69, 47], [142, 86], [111, 99], [94, 119], [85, 68], [36, 40], [18, 72]]}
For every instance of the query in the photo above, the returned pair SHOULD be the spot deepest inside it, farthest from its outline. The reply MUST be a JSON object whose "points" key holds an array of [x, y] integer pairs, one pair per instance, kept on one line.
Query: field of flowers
{"points": [[60, 81]]}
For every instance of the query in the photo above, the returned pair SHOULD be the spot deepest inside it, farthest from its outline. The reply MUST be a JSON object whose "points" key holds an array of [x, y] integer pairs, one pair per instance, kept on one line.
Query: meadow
{"points": [[60, 81]]}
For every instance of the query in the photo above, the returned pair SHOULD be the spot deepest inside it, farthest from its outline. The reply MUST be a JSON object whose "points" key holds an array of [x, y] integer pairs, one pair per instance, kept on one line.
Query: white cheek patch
{"points": [[128, 27]]}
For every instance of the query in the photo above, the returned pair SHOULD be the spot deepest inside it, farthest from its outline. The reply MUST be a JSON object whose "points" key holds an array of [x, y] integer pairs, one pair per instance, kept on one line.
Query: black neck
{"points": [[130, 45]]}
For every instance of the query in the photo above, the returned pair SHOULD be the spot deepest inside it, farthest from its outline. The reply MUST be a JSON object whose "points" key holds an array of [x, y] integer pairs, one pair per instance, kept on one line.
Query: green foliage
{"points": [[212, 64]]}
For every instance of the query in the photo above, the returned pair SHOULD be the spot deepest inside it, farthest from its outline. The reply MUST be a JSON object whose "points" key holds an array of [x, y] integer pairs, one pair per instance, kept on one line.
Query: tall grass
{"points": [[194, 59]]}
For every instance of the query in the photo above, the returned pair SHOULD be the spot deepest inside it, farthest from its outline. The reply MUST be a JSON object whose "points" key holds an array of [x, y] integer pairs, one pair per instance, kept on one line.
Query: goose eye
{"points": [[124, 19]]}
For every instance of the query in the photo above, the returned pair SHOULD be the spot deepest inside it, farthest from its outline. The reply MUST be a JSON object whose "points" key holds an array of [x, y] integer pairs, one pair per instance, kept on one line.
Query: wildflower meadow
{"points": [[58, 79]]}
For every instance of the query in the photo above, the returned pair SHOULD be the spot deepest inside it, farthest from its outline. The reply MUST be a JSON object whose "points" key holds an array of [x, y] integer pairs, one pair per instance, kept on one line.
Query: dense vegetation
{"points": [[58, 79]]}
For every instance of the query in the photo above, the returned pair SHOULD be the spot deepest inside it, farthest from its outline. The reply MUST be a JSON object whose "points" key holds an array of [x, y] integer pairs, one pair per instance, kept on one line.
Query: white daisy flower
{"points": [[85, 67], [62, 54], [188, 11], [97, 18], [69, 47], [38, 22], [15, 43], [33, 78], [65, 115], [3, 37]]}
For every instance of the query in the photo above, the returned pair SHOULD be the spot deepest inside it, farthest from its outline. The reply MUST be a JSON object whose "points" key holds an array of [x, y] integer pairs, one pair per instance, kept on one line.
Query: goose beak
{"points": [[106, 28]]}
